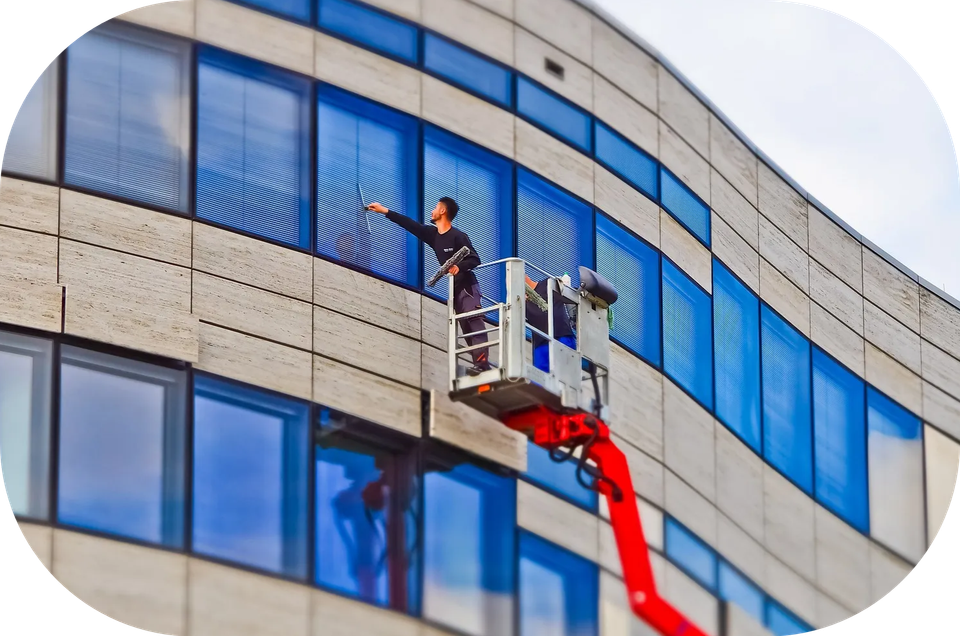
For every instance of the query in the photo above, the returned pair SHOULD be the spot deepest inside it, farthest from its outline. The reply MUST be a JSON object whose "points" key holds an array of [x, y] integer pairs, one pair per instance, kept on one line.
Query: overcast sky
{"points": [[836, 107]]}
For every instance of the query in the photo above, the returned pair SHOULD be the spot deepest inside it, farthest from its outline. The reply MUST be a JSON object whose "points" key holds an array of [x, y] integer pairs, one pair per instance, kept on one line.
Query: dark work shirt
{"points": [[538, 318], [444, 245]]}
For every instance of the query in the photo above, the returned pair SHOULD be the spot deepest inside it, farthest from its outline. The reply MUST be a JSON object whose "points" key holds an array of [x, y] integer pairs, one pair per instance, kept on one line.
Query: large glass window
{"points": [[371, 28], [736, 346], [787, 406], [554, 113], [690, 553], [896, 475], [366, 517], [482, 185], [782, 622], [128, 116], [560, 477], [296, 9], [840, 441], [628, 161], [687, 334], [558, 591], [25, 397], [633, 267], [469, 70], [554, 230], [253, 148], [469, 549], [32, 145], [736, 588], [250, 476], [121, 446], [366, 153], [685, 206]]}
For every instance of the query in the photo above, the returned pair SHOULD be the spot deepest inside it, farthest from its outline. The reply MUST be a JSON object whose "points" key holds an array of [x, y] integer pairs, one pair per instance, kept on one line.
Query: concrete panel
{"points": [[735, 253], [785, 297], [739, 214], [939, 368], [783, 205], [366, 73], [371, 397], [894, 379], [886, 572], [254, 361], [891, 290], [686, 251], [531, 55], [689, 448], [40, 540], [942, 457], [334, 615], [29, 206], [128, 301], [409, 9], [472, 431], [434, 323], [683, 161], [739, 482], [126, 228], [563, 23], [784, 254], [434, 375], [500, 7], [141, 587], [255, 35], [836, 338], [652, 520], [27, 257], [739, 623], [36, 305], [740, 549], [645, 472], [472, 26], [609, 555], [628, 206], [829, 612], [625, 64], [892, 336], [370, 299], [697, 604], [253, 311], [691, 509], [468, 116], [940, 322], [554, 160], [785, 585], [636, 401], [684, 112], [789, 523], [170, 17], [366, 346], [836, 297], [253, 262], [625, 115], [941, 409], [225, 601], [836, 250], [843, 561], [558, 521], [733, 160]]}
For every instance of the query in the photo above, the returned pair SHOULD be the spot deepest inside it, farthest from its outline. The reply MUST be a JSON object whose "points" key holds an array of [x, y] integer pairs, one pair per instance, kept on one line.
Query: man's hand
{"points": [[454, 270], [377, 207]]}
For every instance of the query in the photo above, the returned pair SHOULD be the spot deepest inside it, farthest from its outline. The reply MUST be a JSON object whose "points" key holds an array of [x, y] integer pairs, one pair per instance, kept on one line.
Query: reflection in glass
{"points": [[691, 554], [558, 477], [558, 591], [735, 588], [32, 145], [687, 334]]}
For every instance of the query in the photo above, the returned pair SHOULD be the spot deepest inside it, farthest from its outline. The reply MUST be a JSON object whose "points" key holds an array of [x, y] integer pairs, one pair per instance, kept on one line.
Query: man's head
{"points": [[445, 207]]}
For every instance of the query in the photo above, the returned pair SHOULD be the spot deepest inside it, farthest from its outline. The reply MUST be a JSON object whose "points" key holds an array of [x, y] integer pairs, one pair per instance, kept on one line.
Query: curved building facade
{"points": [[223, 387]]}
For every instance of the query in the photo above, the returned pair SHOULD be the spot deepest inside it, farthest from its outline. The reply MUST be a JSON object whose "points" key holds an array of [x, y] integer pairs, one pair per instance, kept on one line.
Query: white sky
{"points": [[836, 107]]}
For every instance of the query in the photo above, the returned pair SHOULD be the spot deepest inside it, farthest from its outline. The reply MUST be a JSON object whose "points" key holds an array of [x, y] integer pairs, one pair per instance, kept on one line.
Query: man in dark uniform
{"points": [[446, 241]]}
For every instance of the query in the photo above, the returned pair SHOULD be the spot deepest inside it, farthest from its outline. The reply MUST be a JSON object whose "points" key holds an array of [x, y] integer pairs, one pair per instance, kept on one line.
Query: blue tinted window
{"points": [[896, 475], [631, 163], [253, 148], [121, 446], [558, 591], [687, 334], [787, 406], [471, 71], [554, 113], [250, 476], [840, 440], [735, 588], [691, 554], [783, 623], [554, 230], [369, 27], [128, 116], [482, 185], [685, 206], [633, 268], [736, 341], [296, 9], [469, 549], [558, 477], [32, 145], [363, 148]]}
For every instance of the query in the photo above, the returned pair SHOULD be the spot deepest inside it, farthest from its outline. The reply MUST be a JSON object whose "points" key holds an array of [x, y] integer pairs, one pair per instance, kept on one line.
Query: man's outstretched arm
{"points": [[422, 232]]}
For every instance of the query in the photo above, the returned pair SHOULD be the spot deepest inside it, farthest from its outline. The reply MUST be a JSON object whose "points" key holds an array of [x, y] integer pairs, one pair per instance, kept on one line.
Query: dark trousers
{"points": [[468, 299]]}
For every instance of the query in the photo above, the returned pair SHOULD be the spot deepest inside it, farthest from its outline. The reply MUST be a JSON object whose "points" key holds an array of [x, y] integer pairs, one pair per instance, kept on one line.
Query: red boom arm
{"points": [[552, 431]]}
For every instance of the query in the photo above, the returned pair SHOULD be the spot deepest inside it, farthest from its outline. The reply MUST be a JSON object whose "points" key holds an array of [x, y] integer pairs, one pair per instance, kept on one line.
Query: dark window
{"points": [[460, 66], [32, 145], [561, 478], [677, 199], [687, 334], [558, 590], [554, 113], [628, 161], [370, 28]]}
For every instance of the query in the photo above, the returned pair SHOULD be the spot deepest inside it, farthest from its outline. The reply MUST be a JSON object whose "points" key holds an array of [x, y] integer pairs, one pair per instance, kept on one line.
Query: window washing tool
{"points": [[461, 254]]}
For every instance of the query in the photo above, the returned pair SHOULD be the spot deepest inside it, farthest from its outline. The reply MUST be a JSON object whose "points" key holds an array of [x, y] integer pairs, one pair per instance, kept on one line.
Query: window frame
{"points": [[509, 105]]}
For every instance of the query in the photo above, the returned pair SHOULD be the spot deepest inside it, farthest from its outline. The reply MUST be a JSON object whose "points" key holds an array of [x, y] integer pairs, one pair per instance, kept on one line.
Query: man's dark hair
{"points": [[451, 206]]}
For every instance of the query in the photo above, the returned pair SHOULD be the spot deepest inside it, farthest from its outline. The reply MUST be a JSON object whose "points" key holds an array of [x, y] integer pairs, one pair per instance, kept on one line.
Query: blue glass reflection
{"points": [[371, 28], [687, 334], [783, 623], [558, 477], [626, 160], [554, 113], [735, 588], [690, 553], [685, 206], [471, 71], [558, 591]]}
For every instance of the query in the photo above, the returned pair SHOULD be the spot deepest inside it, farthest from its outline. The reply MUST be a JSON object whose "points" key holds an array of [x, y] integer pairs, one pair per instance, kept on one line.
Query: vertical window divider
{"points": [[188, 466], [61, 100], [192, 158], [313, 178], [311, 433], [54, 457]]}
